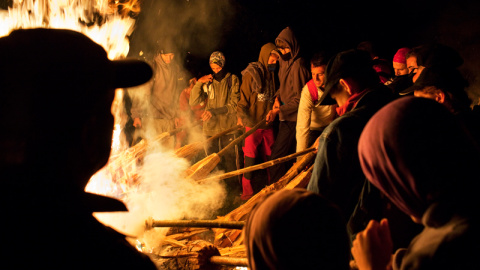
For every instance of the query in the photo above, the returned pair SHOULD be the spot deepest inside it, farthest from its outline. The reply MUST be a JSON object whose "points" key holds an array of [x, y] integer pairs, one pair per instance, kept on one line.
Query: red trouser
{"points": [[263, 137]]}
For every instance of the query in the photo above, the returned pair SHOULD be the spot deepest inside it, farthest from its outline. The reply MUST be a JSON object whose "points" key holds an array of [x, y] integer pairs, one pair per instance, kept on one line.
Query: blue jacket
{"points": [[337, 174]]}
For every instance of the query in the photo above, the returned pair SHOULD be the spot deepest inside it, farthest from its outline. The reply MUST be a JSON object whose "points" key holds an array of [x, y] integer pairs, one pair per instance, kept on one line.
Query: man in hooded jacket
{"points": [[293, 75], [257, 95]]}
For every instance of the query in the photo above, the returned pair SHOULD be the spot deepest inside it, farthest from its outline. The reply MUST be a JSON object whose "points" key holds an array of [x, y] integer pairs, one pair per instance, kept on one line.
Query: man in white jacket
{"points": [[312, 118]]}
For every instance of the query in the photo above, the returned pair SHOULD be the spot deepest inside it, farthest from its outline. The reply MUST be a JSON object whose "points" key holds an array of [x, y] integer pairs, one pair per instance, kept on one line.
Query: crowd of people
{"points": [[392, 186]]}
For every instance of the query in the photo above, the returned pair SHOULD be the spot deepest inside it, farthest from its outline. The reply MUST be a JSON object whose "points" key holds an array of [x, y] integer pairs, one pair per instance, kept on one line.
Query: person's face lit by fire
{"points": [[284, 50], [272, 59], [215, 68], [167, 57], [412, 64], [400, 69], [318, 75]]}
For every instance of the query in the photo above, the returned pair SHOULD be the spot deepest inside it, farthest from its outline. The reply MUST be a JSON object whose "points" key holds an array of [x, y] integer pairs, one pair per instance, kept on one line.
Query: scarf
{"points": [[351, 102]]}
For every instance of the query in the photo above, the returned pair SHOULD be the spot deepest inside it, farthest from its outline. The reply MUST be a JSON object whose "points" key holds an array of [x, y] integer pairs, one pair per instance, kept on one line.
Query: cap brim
{"points": [[99, 203], [130, 72], [326, 99], [408, 90]]}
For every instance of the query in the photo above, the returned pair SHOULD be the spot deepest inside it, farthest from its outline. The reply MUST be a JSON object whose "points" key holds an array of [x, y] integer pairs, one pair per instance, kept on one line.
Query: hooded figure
{"points": [[296, 229], [418, 154], [292, 75], [257, 95]]}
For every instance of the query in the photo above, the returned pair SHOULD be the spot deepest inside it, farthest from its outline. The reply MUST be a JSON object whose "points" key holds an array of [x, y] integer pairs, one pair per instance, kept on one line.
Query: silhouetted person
{"points": [[296, 229], [56, 88], [421, 157]]}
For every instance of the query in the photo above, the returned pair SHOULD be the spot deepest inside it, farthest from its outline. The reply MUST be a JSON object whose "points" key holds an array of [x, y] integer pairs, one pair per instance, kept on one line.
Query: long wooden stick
{"points": [[242, 137], [232, 261], [203, 167], [190, 150], [258, 166], [195, 224]]}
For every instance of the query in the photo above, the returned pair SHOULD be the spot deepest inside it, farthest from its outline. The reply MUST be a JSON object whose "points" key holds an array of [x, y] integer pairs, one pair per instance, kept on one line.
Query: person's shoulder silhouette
{"points": [[56, 89]]}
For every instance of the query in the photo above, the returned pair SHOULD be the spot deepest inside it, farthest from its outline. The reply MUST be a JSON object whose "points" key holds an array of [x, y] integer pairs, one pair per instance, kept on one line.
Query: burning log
{"points": [[203, 168], [122, 167], [197, 254], [258, 166], [189, 151], [195, 224]]}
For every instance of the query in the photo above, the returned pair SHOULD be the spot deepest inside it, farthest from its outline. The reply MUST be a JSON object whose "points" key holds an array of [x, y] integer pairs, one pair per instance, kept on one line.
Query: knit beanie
{"points": [[400, 55], [217, 58]]}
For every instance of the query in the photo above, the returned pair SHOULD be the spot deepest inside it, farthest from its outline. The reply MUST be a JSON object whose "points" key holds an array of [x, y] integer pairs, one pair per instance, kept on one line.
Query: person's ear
{"points": [[346, 86], [440, 96]]}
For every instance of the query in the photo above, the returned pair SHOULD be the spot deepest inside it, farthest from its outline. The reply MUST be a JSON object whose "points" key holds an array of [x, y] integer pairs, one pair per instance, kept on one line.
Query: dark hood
{"points": [[265, 53], [289, 38]]}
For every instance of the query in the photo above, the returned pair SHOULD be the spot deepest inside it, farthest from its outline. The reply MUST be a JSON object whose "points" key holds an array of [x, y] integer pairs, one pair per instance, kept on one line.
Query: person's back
{"points": [[60, 74], [421, 157], [296, 229]]}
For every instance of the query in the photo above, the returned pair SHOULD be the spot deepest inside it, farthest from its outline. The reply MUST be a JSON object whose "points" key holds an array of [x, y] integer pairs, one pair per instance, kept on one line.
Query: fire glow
{"points": [[162, 193], [108, 23]]}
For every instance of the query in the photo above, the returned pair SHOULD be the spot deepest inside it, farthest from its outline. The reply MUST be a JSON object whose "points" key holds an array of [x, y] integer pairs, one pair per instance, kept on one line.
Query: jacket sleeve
{"points": [[196, 95], [234, 95], [299, 79], [337, 174], [244, 104], [304, 119]]}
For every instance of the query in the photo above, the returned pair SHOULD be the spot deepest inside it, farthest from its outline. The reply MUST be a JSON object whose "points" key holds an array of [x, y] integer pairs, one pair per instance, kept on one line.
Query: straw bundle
{"points": [[203, 168], [189, 151]]}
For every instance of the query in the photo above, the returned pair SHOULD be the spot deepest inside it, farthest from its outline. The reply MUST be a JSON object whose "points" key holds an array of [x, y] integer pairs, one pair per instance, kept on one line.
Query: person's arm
{"points": [[243, 104], [372, 247], [304, 119], [197, 95], [337, 174]]}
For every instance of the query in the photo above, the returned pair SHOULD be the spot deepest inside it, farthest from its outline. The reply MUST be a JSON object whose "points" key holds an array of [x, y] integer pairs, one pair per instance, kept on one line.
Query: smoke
{"points": [[164, 194], [192, 27]]}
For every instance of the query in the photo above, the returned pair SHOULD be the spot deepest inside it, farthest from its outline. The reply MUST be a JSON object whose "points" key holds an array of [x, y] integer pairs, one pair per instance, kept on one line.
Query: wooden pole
{"points": [[203, 167], [231, 261], [195, 224], [258, 166]]}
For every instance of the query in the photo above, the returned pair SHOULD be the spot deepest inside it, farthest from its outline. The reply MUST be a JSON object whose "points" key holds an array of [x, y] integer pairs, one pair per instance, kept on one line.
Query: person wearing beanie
{"points": [[221, 90], [402, 78], [400, 62]]}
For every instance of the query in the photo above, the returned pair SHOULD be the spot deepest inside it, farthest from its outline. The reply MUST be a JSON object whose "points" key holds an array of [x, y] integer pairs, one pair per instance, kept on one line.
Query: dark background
{"points": [[239, 28]]}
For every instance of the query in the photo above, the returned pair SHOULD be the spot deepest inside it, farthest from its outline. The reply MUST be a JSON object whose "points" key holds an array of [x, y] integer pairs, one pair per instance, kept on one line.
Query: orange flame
{"points": [[107, 22]]}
